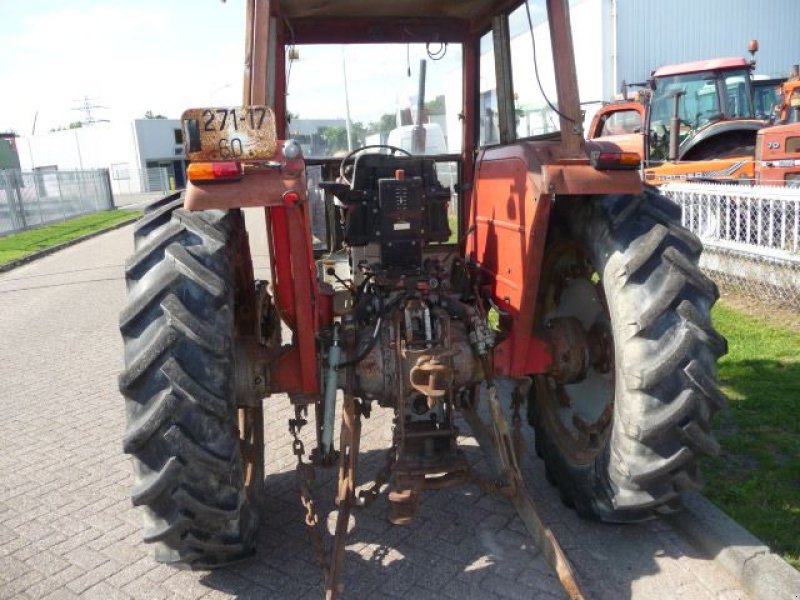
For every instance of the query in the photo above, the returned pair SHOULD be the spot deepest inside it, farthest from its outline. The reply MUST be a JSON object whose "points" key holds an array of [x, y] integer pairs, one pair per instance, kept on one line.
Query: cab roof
{"points": [[376, 21], [379, 9], [715, 64]]}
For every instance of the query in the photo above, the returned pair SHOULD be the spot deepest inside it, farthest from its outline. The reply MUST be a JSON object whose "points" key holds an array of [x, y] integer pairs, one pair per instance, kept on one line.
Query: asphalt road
{"points": [[67, 528]]}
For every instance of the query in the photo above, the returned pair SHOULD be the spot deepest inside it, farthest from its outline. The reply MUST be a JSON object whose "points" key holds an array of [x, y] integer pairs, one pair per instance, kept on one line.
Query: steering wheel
{"points": [[352, 156]]}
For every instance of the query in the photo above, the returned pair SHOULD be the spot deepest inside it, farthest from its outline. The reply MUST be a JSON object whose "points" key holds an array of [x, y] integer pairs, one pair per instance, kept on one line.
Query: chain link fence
{"points": [[751, 236], [29, 199], [133, 187]]}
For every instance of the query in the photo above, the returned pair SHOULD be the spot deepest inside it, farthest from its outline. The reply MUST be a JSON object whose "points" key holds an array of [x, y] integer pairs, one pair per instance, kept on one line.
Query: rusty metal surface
{"points": [[585, 179], [570, 348], [229, 133], [257, 189], [251, 444], [385, 8], [349, 441], [601, 116], [569, 109]]}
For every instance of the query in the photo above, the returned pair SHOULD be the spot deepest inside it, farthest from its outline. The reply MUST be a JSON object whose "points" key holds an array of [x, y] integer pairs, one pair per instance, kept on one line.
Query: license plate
{"points": [[238, 133]]}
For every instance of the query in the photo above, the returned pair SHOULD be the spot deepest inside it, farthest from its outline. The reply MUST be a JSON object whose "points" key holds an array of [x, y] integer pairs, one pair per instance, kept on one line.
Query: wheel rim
{"points": [[250, 418], [251, 447], [576, 399]]}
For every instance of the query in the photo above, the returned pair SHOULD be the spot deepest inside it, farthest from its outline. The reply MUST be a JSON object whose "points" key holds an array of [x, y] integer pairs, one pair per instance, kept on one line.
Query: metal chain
{"points": [[367, 496], [305, 479]]}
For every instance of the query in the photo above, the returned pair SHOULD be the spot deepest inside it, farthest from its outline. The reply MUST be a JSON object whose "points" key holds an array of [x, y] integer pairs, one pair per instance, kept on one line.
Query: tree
{"points": [[384, 125], [73, 125], [435, 106], [149, 115], [335, 137]]}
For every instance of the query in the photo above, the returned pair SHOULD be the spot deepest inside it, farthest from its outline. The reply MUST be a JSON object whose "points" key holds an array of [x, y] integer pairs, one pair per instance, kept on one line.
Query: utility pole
{"points": [[347, 106], [86, 106]]}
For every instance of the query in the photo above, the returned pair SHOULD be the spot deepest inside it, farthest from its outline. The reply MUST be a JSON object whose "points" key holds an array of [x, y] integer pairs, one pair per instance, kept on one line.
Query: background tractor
{"points": [[572, 295], [694, 120], [778, 146]]}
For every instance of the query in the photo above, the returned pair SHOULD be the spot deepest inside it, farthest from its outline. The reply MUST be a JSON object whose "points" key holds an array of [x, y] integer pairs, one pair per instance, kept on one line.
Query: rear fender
{"points": [[514, 189], [265, 184], [721, 139]]}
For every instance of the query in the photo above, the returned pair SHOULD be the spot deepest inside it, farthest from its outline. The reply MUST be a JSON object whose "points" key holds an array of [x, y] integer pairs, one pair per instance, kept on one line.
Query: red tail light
{"points": [[609, 161], [214, 171]]}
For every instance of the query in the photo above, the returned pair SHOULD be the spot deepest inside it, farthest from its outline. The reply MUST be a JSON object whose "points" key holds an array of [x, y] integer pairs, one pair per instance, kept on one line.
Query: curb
{"points": [[763, 574], [42, 253]]}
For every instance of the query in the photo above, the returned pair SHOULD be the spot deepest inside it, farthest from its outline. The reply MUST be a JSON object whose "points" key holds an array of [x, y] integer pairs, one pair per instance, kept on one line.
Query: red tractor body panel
{"points": [[514, 189]]}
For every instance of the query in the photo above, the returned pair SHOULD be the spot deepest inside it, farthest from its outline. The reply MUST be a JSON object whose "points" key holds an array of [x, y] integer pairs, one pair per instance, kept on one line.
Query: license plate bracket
{"points": [[229, 133]]}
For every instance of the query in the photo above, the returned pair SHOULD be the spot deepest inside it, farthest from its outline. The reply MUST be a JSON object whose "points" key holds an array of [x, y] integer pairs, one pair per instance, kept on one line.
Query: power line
{"points": [[86, 106]]}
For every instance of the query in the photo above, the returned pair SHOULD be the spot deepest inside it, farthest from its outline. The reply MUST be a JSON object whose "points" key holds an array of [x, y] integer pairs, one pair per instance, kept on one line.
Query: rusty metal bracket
{"points": [[349, 441], [499, 446]]}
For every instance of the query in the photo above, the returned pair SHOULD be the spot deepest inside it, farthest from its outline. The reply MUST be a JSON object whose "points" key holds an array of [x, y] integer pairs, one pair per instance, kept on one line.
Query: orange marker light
{"points": [[214, 171], [615, 160]]}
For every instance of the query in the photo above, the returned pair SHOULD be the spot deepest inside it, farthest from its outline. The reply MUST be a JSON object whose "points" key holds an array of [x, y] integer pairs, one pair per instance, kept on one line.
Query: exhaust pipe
{"points": [[675, 127]]}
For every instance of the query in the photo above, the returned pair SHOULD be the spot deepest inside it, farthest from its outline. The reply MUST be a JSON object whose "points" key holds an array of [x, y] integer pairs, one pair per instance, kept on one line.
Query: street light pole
{"points": [[347, 106]]}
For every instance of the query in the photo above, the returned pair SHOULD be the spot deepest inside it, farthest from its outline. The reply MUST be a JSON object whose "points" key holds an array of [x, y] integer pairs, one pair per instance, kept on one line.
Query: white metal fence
{"points": [[751, 236], [135, 187], [126, 180], [28, 199]]}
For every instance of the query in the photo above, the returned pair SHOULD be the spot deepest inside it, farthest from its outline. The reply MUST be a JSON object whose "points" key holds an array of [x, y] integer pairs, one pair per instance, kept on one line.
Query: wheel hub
{"points": [[578, 395]]}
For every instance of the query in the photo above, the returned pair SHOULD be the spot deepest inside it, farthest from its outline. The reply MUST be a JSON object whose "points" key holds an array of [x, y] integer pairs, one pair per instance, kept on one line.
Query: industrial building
{"points": [[625, 40], [143, 155]]}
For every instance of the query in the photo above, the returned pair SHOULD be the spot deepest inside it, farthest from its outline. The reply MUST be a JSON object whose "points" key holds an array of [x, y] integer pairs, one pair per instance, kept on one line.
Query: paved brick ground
{"points": [[67, 528]]}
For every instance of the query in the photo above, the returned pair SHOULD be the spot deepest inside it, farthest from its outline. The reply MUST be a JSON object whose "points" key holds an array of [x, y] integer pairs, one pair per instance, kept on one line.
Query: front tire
{"points": [[178, 329], [621, 432]]}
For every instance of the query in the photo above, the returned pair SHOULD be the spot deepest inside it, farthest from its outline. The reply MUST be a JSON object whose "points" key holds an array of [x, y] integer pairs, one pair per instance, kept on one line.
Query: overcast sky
{"points": [[168, 55], [131, 56]]}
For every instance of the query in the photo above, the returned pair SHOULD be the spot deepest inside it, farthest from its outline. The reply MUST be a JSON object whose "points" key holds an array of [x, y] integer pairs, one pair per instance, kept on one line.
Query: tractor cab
{"points": [[705, 99]]}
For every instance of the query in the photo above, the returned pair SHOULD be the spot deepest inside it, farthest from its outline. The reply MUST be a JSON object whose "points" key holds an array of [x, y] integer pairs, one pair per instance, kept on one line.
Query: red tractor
{"points": [[566, 278]]}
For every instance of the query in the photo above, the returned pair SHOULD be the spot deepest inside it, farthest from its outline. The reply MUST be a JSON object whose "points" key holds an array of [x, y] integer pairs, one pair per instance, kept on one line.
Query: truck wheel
{"points": [[623, 415], [178, 327]]}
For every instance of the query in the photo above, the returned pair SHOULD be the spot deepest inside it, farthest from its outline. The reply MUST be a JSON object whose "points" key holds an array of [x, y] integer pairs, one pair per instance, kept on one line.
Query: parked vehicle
{"points": [[697, 121], [570, 280]]}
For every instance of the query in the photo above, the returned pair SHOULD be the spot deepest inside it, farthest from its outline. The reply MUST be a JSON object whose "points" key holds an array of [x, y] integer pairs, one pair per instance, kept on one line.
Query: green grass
{"points": [[17, 245], [756, 478], [452, 220]]}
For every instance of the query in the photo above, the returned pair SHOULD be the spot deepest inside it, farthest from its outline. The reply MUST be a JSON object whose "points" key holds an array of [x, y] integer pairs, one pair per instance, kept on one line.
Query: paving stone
{"points": [[68, 530], [20, 585], [104, 591], [94, 576]]}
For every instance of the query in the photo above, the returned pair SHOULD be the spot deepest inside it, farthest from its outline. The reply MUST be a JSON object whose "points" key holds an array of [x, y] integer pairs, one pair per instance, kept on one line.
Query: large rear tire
{"points": [[621, 432], [179, 330]]}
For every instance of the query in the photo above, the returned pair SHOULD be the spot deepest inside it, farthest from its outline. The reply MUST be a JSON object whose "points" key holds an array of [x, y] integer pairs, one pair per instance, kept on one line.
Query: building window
{"points": [[178, 136]]}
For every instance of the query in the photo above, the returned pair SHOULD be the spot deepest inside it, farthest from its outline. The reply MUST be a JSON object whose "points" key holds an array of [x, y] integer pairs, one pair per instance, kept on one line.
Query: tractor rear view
{"points": [[541, 264]]}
